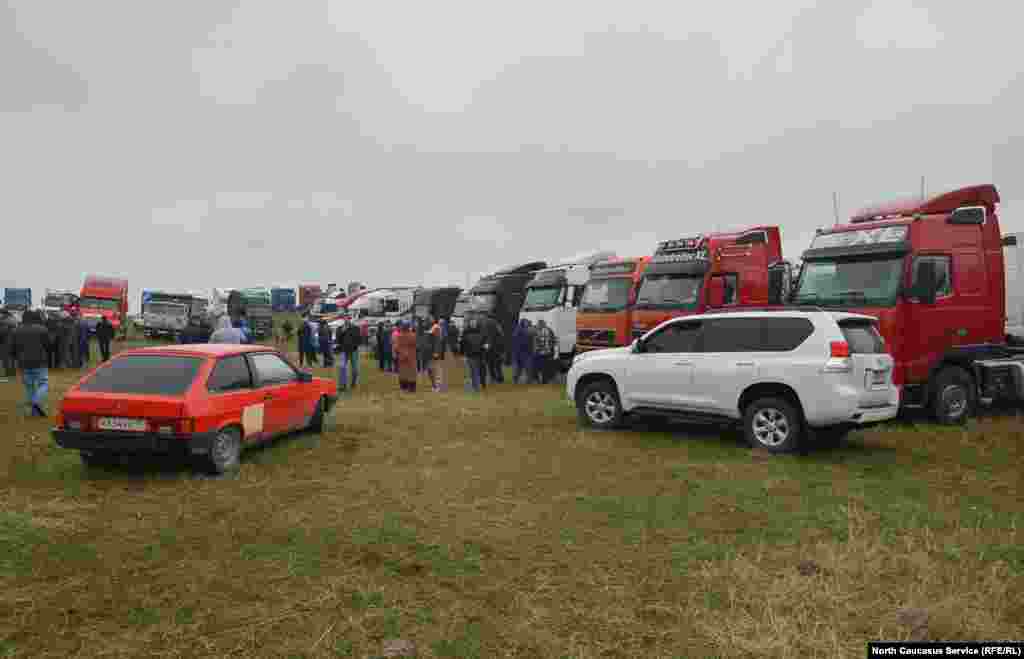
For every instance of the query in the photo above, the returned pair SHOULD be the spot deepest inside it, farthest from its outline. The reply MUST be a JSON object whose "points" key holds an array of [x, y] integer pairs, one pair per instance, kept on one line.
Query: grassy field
{"points": [[492, 525]]}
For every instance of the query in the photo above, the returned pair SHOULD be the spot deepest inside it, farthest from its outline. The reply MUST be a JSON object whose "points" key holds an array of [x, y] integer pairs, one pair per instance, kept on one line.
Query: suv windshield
{"points": [[542, 298], [162, 375], [874, 282], [98, 303], [676, 291], [606, 294]]}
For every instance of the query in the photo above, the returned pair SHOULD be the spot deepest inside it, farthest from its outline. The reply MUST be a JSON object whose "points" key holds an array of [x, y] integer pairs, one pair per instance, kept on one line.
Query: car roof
{"points": [[780, 311], [199, 350]]}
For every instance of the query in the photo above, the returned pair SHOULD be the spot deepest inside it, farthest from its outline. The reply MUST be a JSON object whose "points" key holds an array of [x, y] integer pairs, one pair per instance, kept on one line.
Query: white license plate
{"points": [[129, 425], [879, 378]]}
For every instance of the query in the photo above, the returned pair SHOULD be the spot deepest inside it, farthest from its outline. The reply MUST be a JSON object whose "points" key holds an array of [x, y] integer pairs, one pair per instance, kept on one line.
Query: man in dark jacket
{"points": [[67, 340], [348, 338], [8, 325], [30, 347], [53, 336], [104, 335], [453, 338], [472, 346], [192, 332], [384, 346], [324, 336], [83, 343], [495, 352]]}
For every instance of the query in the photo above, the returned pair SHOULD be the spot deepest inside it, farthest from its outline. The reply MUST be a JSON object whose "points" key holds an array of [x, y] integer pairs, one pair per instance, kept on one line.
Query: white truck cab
{"points": [[554, 294]]}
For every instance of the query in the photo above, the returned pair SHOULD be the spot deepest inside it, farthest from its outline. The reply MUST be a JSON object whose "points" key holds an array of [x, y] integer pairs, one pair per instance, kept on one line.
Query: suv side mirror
{"points": [[926, 283], [716, 292]]}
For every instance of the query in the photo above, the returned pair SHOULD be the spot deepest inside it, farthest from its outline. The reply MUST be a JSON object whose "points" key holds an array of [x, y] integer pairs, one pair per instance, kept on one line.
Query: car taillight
{"points": [[172, 426], [73, 421], [839, 358]]}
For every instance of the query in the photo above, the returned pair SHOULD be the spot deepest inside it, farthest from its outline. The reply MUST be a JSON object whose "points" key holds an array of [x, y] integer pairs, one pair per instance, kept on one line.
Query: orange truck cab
{"points": [[934, 273], [605, 316], [104, 297], [717, 270]]}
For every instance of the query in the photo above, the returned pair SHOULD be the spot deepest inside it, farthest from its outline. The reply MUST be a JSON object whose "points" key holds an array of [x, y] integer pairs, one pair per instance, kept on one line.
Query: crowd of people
{"points": [[39, 343], [408, 348]]}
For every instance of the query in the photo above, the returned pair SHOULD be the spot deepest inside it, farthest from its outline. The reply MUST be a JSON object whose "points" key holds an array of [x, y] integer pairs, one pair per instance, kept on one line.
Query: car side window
{"points": [[677, 337], [270, 369], [942, 273], [755, 334], [229, 374]]}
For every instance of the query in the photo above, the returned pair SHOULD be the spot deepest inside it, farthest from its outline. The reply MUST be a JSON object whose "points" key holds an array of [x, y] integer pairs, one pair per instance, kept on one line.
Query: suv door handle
{"points": [[744, 363], [684, 363]]}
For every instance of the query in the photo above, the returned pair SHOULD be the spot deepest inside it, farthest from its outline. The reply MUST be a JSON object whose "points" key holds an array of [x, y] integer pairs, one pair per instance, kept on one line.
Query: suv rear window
{"points": [[762, 334], [862, 336], [161, 375]]}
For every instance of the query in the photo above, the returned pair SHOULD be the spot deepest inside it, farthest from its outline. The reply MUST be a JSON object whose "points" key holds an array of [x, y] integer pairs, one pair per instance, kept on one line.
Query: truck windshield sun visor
{"points": [[690, 268]]}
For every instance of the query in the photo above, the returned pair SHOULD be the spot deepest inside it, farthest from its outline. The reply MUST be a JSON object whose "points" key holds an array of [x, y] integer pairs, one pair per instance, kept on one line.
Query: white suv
{"points": [[781, 372]]}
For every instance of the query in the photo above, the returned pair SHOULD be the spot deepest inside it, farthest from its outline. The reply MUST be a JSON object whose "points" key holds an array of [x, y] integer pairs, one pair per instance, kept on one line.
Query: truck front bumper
{"points": [[133, 442]]}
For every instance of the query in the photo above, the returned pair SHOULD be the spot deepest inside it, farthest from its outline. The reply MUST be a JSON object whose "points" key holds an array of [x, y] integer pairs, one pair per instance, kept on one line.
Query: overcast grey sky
{"points": [[214, 143]]}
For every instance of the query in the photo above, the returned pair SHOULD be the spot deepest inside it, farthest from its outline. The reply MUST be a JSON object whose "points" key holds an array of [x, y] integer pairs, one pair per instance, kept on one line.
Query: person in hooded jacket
{"points": [[495, 352], [453, 338], [53, 336], [68, 340], [405, 351], [521, 352], [472, 348], [84, 335], [226, 332], [30, 348], [302, 340]]}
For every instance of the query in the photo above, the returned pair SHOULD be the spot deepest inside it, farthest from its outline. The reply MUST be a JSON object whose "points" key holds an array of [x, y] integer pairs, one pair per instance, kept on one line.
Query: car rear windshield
{"points": [[162, 375], [862, 336]]}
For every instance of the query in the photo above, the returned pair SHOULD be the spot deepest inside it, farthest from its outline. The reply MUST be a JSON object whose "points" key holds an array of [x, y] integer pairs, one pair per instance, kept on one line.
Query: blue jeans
{"points": [[37, 385], [474, 367], [343, 363]]}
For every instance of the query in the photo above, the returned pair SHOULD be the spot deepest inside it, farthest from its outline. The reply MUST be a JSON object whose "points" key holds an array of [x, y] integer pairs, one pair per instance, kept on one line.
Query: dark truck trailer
{"points": [[500, 296], [437, 302], [282, 299]]}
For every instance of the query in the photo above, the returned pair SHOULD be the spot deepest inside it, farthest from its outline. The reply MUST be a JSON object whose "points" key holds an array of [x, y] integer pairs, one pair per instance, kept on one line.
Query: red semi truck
{"points": [[933, 272], [716, 270], [104, 296]]}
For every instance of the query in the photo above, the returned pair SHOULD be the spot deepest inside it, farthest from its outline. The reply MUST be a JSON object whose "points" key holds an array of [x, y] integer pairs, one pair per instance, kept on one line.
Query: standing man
{"points": [[348, 339], [472, 347], [324, 337], [453, 338], [495, 353], [83, 342], [53, 335], [104, 335], [436, 366], [8, 325], [303, 341], [545, 350], [74, 355], [30, 347]]}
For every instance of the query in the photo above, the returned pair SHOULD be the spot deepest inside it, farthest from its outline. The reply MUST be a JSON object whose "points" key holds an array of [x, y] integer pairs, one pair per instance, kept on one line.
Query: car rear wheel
{"points": [[316, 424], [773, 424], [598, 405], [225, 451]]}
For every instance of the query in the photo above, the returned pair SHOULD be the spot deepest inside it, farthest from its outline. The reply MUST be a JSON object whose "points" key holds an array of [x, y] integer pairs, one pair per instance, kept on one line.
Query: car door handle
{"points": [[684, 363], [744, 363]]}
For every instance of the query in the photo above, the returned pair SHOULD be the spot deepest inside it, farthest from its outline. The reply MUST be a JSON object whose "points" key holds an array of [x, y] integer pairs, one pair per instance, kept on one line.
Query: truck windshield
{"points": [[98, 303], [54, 301], [606, 294], [675, 291], [857, 282], [484, 301], [542, 297]]}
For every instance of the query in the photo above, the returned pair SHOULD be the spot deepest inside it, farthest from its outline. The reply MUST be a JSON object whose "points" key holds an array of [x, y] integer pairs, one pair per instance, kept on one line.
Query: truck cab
{"points": [[258, 310], [104, 297], [554, 295], [165, 313], [56, 301], [436, 302], [605, 315], [282, 299], [718, 270], [933, 272], [500, 296]]}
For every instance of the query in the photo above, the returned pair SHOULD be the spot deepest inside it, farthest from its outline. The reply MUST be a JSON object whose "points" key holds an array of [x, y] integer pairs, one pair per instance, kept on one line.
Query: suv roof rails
{"points": [[777, 307]]}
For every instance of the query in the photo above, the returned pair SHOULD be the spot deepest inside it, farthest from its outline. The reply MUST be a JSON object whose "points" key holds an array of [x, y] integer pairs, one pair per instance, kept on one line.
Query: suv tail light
{"points": [[839, 358]]}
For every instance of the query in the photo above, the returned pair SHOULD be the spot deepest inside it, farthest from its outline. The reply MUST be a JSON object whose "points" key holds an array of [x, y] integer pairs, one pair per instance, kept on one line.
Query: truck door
{"points": [[937, 327]]}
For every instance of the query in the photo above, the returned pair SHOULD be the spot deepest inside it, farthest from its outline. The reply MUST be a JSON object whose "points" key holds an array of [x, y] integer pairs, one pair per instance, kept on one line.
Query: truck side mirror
{"points": [[926, 282], [716, 292], [968, 215]]}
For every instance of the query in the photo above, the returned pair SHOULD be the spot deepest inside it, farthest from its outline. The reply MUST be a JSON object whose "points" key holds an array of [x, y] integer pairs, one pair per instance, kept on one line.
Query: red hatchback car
{"points": [[204, 400]]}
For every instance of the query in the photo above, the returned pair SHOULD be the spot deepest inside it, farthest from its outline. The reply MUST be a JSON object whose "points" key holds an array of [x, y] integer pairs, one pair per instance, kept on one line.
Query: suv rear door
{"points": [[737, 352], [872, 365]]}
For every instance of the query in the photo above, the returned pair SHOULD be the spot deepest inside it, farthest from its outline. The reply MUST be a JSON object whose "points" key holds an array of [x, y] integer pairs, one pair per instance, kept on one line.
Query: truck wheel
{"points": [[953, 396], [598, 405], [225, 451], [773, 424]]}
